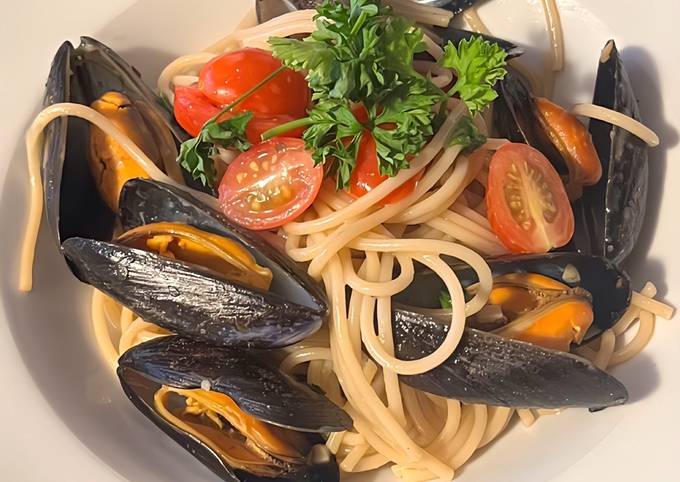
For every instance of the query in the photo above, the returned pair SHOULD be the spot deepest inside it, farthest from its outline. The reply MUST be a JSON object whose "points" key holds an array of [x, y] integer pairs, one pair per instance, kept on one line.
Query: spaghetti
{"points": [[357, 244]]}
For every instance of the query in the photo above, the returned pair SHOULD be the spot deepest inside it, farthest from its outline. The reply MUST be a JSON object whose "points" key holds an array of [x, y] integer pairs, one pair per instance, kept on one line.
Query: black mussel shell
{"points": [[70, 192], [611, 213], [190, 300], [455, 35], [609, 285], [81, 75], [492, 370], [140, 389], [457, 6], [144, 201], [258, 389], [516, 118]]}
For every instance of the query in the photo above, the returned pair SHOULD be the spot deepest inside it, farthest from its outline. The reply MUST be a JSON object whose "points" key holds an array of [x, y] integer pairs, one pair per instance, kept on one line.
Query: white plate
{"points": [[65, 418]]}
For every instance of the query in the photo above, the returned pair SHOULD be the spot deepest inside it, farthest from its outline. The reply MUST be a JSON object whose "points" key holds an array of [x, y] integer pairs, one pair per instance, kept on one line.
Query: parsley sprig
{"points": [[361, 54], [479, 64], [466, 134], [445, 300], [196, 154]]}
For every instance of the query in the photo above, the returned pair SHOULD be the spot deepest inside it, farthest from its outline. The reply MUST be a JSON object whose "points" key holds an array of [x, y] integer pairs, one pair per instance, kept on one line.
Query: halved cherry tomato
{"points": [[366, 174], [193, 109], [270, 184], [227, 77], [526, 202]]}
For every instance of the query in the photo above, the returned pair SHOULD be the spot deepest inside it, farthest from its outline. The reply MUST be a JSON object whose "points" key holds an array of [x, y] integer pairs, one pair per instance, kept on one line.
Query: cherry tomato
{"points": [[270, 184], [227, 77], [526, 202], [366, 175], [193, 109], [262, 122]]}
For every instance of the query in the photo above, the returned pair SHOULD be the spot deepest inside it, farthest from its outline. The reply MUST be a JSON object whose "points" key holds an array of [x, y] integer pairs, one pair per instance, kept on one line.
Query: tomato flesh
{"points": [[192, 109], [526, 202], [270, 184], [366, 174], [227, 77]]}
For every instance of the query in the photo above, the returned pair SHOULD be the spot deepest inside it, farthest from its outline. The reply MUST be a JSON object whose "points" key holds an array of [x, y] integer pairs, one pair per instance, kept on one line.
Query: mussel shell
{"points": [[611, 213], [516, 118], [457, 6], [73, 204], [455, 35], [140, 390], [492, 370], [258, 389], [190, 300], [70, 192], [144, 201], [609, 285]]}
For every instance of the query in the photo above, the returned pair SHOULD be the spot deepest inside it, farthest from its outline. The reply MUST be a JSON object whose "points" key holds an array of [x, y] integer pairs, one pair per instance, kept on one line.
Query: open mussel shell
{"points": [[257, 389], [81, 75], [493, 370], [611, 213], [145, 202], [516, 118], [190, 300], [609, 286]]}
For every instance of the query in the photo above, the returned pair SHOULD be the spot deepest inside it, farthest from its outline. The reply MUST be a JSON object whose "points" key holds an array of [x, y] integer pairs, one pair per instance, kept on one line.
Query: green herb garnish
{"points": [[362, 54], [479, 64], [466, 134], [196, 154], [445, 300]]}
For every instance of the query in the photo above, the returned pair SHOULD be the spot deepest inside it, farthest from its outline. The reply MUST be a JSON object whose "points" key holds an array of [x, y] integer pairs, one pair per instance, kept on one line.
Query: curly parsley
{"points": [[362, 54], [479, 64], [222, 130]]}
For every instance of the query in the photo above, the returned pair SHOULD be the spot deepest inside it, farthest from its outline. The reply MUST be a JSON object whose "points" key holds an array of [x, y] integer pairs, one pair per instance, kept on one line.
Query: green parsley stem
{"points": [[248, 93], [359, 23], [288, 126]]}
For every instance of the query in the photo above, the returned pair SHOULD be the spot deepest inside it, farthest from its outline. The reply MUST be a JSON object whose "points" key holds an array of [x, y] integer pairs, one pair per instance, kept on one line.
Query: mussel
{"points": [[534, 288], [487, 368], [522, 117], [183, 266], [454, 6], [539, 305], [610, 214], [84, 169], [241, 418]]}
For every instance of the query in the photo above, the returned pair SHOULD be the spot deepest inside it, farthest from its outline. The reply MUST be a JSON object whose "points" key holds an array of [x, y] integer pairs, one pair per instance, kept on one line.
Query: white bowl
{"points": [[63, 414]]}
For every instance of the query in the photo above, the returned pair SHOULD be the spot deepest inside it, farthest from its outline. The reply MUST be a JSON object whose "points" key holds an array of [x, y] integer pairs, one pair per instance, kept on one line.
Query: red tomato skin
{"points": [[226, 77], [366, 174], [192, 109], [500, 218], [294, 165]]}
